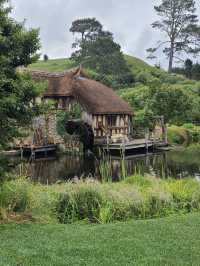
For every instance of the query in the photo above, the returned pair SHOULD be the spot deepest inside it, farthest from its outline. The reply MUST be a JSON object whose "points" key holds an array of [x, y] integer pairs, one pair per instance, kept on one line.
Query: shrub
{"points": [[178, 135], [15, 195], [185, 194], [136, 197], [188, 126], [84, 203]]}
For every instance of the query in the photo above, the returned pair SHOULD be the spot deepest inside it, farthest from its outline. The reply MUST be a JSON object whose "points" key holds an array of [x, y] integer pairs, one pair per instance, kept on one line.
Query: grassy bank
{"points": [[184, 135], [168, 241], [135, 197]]}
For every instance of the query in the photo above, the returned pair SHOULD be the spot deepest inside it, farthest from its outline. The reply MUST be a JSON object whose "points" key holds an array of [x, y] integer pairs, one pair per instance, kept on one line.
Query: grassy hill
{"points": [[136, 64], [54, 65], [62, 64], [144, 74]]}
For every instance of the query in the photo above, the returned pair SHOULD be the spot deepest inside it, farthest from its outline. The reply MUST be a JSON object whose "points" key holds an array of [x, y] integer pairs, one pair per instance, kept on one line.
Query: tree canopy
{"points": [[18, 47], [190, 70], [179, 22], [97, 50]]}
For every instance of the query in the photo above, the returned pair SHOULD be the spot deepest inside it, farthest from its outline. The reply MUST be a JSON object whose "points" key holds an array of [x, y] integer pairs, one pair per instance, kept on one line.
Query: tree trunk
{"points": [[171, 57]]}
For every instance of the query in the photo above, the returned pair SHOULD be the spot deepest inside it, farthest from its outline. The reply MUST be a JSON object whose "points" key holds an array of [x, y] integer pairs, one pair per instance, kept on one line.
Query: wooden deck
{"points": [[35, 149], [134, 145]]}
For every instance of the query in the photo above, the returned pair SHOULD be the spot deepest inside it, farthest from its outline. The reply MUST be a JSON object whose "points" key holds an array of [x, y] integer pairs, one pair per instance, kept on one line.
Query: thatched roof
{"points": [[94, 96], [59, 84], [98, 98]]}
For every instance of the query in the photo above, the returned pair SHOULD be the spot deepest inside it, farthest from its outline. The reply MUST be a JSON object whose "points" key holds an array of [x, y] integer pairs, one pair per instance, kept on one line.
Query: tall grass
{"points": [[135, 197]]}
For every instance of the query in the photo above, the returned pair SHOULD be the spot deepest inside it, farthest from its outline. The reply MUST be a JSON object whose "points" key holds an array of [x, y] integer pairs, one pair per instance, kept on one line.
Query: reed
{"points": [[106, 168], [135, 197]]}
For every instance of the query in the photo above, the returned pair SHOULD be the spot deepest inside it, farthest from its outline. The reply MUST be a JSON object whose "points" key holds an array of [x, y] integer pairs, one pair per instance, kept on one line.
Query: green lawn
{"points": [[169, 241]]}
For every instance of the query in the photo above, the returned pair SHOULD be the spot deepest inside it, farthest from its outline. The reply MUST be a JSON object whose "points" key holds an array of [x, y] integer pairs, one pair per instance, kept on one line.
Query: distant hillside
{"points": [[54, 65], [137, 65], [144, 74], [59, 65]]}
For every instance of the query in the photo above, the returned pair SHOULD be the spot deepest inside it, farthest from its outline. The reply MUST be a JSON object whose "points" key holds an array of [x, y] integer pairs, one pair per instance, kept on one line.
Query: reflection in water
{"points": [[166, 164]]}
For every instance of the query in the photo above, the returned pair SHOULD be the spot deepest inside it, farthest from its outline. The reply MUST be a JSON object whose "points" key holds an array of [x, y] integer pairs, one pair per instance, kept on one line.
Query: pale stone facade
{"points": [[48, 124]]}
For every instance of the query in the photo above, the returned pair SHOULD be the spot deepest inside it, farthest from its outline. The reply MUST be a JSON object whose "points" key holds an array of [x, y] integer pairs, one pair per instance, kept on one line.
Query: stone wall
{"points": [[48, 124]]}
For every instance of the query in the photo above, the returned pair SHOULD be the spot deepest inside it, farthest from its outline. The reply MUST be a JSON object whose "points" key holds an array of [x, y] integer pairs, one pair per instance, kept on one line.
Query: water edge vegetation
{"points": [[89, 201]]}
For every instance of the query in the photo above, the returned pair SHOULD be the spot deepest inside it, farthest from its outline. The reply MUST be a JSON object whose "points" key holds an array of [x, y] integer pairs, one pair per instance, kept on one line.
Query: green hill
{"points": [[137, 65], [59, 65], [54, 65], [144, 74]]}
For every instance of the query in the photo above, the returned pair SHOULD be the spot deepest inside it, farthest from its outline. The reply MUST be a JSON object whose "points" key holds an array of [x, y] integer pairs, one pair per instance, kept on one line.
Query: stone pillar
{"points": [[51, 129]]}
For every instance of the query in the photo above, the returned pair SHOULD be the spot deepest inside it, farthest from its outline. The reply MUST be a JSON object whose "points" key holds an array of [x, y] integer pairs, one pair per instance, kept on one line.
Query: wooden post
{"points": [[164, 129], [146, 140]]}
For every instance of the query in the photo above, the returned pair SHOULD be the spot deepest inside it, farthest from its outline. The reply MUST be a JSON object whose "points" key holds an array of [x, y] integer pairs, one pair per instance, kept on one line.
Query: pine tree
{"points": [[96, 49], [179, 23]]}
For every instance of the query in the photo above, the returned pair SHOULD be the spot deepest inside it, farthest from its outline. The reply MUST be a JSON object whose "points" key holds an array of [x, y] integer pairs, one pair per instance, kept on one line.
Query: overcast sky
{"points": [[129, 20]]}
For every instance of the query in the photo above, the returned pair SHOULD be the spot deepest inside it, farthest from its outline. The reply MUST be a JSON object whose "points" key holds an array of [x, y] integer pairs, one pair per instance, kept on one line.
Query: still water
{"points": [[180, 163]]}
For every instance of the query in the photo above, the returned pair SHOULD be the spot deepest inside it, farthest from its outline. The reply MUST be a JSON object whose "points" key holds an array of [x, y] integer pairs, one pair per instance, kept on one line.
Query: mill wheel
{"points": [[89, 135], [83, 130]]}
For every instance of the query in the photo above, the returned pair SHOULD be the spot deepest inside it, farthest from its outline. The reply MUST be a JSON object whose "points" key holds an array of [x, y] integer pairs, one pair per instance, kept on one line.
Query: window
{"points": [[112, 120]]}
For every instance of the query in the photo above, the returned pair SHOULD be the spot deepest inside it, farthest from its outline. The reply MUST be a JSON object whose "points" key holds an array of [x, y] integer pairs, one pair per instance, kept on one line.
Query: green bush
{"points": [[178, 135], [185, 195], [15, 195], [83, 204], [184, 135], [188, 126]]}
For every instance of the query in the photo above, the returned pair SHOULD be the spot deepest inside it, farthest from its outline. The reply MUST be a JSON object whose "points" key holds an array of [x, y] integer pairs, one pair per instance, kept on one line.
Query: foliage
{"points": [[179, 22], [184, 135], [164, 102], [4, 162], [17, 91], [146, 197], [97, 50], [89, 28], [190, 70], [63, 117], [150, 101]]}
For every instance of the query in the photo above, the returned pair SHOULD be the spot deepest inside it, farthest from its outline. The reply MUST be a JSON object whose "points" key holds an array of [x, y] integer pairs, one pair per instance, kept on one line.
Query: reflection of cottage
{"points": [[102, 109]]}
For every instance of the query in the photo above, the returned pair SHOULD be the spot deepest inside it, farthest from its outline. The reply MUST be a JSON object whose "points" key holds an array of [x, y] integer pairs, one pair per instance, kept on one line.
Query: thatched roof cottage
{"points": [[108, 115]]}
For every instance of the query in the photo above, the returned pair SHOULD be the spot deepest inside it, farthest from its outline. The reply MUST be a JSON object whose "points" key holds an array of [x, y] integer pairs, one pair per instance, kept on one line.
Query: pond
{"points": [[179, 163]]}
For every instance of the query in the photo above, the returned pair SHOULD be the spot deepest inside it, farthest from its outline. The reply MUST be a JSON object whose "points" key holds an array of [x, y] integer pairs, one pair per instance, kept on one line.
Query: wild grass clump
{"points": [[82, 203], [136, 197], [185, 194], [15, 195]]}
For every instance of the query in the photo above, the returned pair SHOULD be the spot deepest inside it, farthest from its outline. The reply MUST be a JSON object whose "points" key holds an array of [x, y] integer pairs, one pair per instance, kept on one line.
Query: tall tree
{"points": [[179, 22], [96, 49], [87, 27], [196, 71], [188, 68], [18, 47]]}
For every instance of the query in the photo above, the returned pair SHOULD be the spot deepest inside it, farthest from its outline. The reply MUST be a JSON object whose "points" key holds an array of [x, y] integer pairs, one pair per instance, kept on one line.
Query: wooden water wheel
{"points": [[83, 130]]}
